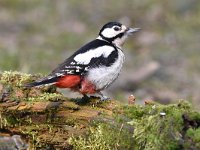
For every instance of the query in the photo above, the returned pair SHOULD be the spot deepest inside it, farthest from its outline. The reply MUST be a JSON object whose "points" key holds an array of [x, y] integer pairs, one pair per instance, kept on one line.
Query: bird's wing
{"points": [[93, 54]]}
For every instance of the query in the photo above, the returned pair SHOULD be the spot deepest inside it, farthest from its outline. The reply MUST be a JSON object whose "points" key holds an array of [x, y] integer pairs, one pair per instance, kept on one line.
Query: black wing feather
{"points": [[102, 61], [42, 81]]}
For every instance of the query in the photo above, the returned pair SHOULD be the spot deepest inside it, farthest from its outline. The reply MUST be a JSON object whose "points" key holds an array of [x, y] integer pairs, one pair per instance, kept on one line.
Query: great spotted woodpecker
{"points": [[94, 66]]}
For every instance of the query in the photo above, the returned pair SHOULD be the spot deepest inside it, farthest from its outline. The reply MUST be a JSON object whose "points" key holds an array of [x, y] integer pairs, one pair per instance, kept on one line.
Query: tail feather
{"points": [[46, 81]]}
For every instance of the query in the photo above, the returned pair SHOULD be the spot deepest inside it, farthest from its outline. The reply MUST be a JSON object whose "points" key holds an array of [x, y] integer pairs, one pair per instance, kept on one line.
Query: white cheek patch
{"points": [[109, 33], [86, 57]]}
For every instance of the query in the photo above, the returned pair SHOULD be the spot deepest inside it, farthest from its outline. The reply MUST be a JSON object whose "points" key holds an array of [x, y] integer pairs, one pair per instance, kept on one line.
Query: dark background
{"points": [[162, 61]]}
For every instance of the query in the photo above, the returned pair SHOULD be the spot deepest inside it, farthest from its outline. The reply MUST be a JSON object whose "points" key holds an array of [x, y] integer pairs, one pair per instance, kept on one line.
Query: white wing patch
{"points": [[59, 74], [86, 57]]}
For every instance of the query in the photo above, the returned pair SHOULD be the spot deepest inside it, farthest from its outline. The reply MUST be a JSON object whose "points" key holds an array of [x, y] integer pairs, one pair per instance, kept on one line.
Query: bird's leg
{"points": [[85, 97], [103, 97]]}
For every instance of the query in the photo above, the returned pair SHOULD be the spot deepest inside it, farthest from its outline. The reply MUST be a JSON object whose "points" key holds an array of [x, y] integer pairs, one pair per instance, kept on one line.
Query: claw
{"points": [[105, 98]]}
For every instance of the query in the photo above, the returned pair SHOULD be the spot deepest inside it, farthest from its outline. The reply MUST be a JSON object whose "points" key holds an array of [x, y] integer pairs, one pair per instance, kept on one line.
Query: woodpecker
{"points": [[94, 66]]}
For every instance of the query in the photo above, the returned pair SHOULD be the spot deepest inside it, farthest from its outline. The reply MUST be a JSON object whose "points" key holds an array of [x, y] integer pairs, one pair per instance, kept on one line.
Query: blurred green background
{"points": [[36, 35]]}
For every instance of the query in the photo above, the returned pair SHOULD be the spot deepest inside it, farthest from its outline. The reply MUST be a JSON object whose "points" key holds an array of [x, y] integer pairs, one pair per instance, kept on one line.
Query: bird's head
{"points": [[116, 33]]}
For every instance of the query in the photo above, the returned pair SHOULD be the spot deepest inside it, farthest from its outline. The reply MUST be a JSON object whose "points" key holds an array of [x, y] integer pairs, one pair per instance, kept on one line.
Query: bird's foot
{"points": [[103, 97], [85, 99]]}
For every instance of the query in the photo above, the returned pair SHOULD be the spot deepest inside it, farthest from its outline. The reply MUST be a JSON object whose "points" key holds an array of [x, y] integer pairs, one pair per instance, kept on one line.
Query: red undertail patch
{"points": [[68, 81], [87, 87]]}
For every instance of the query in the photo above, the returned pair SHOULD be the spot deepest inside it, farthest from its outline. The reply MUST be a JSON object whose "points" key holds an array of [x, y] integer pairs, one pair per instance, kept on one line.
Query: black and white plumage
{"points": [[95, 65]]}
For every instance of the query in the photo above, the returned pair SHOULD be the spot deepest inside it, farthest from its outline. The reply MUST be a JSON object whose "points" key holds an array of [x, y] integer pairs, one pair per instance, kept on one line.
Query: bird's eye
{"points": [[116, 28]]}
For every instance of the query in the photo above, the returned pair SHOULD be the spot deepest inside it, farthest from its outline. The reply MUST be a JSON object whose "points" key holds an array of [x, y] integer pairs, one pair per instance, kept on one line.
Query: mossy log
{"points": [[42, 118]]}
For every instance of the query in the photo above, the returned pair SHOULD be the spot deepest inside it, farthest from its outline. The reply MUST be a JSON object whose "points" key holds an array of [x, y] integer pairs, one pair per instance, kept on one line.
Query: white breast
{"points": [[103, 76]]}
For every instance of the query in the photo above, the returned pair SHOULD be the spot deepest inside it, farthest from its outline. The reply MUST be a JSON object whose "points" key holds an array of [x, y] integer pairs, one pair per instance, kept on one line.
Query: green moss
{"points": [[154, 131], [155, 125], [71, 122], [13, 85], [45, 97], [32, 133], [103, 137], [3, 121], [194, 116], [193, 139], [12, 120], [14, 78]]}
